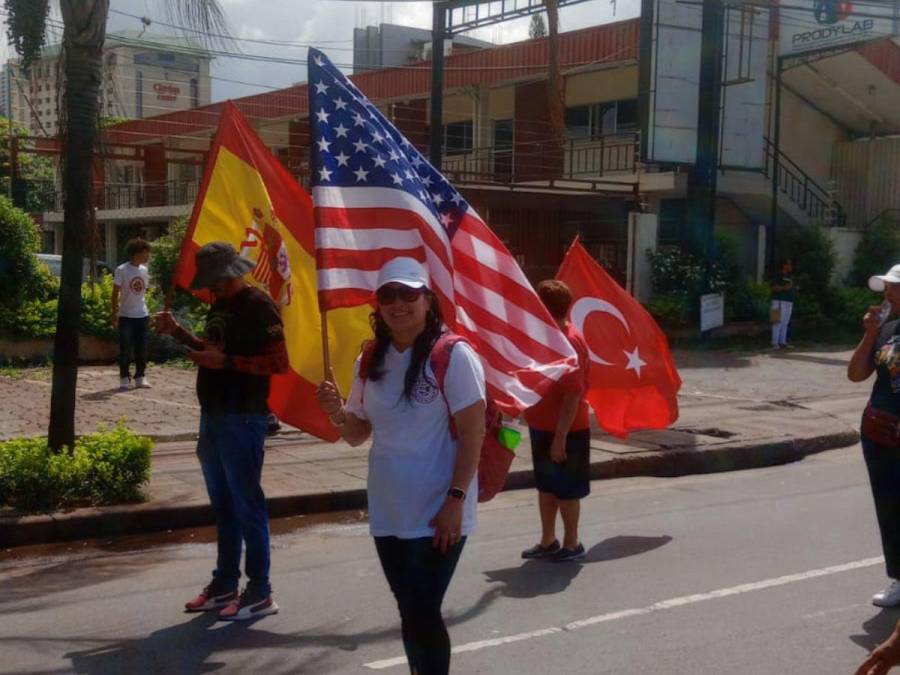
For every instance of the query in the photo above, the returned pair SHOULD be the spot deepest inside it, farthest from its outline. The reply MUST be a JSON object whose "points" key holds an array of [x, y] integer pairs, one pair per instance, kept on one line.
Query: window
{"points": [[503, 134], [195, 93], [627, 116], [596, 119], [458, 138], [578, 122]]}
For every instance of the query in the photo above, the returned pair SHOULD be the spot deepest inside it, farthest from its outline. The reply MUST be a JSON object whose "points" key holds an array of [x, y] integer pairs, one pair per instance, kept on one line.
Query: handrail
{"points": [[803, 189]]}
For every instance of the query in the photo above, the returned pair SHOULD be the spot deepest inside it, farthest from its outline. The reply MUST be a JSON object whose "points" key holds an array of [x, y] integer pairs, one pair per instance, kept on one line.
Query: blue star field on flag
{"points": [[354, 145]]}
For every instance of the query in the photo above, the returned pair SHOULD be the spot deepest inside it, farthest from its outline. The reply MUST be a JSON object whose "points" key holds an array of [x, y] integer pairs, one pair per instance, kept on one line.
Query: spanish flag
{"points": [[249, 199]]}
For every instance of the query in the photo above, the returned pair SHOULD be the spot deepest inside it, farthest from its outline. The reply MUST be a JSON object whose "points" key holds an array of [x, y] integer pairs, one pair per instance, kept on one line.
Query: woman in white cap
{"points": [[879, 352], [422, 487]]}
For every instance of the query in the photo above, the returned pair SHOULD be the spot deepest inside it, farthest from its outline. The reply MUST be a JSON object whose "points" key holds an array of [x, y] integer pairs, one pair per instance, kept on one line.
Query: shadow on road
{"points": [[794, 356], [877, 629], [534, 578], [615, 548], [202, 644], [103, 394]]}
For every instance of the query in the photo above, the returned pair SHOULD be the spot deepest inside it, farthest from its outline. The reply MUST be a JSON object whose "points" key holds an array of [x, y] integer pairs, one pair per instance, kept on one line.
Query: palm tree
{"points": [[84, 33]]}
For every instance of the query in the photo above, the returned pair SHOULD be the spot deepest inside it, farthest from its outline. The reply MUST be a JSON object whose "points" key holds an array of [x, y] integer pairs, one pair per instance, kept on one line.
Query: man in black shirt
{"points": [[242, 347]]}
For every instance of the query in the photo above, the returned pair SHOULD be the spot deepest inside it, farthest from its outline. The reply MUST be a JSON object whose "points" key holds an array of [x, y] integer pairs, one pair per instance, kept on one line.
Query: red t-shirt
{"points": [[544, 415]]}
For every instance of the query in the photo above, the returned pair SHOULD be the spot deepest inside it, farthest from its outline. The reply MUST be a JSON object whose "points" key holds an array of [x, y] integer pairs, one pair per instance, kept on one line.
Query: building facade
{"points": [[143, 76], [536, 191]]}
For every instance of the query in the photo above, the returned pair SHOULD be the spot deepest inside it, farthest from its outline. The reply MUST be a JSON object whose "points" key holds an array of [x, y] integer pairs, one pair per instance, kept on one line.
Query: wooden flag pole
{"points": [[326, 353]]}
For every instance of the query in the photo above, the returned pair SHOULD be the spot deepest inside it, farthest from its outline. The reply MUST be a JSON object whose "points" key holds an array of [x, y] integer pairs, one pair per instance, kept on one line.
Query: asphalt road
{"points": [[768, 571]]}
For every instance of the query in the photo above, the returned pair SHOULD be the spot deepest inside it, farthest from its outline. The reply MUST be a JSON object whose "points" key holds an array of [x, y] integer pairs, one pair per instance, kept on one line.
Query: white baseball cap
{"points": [[876, 283], [406, 271]]}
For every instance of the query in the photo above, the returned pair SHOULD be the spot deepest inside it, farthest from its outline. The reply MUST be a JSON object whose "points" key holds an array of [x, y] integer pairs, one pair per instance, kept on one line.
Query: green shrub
{"points": [[812, 253], [21, 276], [847, 306], [96, 308], [106, 467], [876, 252], [670, 311]]}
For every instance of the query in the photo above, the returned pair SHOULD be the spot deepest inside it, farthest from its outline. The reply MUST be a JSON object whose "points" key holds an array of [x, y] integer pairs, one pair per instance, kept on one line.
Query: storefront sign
{"points": [[166, 92], [810, 25]]}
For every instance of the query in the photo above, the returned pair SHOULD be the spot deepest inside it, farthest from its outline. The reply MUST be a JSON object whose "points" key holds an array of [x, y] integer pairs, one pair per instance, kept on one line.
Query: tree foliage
{"points": [[21, 276], [537, 28], [878, 250], [26, 21]]}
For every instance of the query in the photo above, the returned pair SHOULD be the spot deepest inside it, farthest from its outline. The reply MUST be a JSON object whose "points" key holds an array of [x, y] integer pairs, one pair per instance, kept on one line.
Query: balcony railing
{"points": [[542, 160], [124, 196]]}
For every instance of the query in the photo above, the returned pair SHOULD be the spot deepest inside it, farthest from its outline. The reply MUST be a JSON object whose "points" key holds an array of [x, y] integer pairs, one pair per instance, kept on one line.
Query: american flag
{"points": [[376, 198]]}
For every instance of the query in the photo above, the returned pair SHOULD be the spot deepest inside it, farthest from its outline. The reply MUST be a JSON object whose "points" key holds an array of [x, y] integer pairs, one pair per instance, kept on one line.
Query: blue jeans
{"points": [[419, 575], [133, 336], [883, 465], [231, 450]]}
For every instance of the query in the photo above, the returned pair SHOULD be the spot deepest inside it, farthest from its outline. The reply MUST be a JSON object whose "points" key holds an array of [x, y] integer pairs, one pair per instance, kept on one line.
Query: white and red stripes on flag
{"points": [[377, 198]]}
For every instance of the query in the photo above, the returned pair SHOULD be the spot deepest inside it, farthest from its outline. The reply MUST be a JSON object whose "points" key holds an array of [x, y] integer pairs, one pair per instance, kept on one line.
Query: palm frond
{"points": [[205, 16], [26, 21]]}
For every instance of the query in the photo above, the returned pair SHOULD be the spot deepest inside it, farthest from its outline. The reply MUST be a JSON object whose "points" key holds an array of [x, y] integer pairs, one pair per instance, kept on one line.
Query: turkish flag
{"points": [[633, 381]]}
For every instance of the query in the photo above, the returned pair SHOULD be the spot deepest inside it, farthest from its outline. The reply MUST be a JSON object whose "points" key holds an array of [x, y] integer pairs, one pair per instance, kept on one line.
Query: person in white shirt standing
{"points": [[130, 315], [422, 483]]}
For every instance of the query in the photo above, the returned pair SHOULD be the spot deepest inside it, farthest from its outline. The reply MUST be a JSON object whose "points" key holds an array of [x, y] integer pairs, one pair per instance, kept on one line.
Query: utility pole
{"points": [[703, 176], [775, 177], [438, 33]]}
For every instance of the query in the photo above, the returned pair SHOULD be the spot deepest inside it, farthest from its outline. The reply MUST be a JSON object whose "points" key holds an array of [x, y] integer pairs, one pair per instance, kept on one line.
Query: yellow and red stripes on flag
{"points": [[250, 200]]}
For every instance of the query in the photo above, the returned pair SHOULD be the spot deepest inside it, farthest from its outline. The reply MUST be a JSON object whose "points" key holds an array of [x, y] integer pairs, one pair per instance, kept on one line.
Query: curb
{"points": [[138, 518]]}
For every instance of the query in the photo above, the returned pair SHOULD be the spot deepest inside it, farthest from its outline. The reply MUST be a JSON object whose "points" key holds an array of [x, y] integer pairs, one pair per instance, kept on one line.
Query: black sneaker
{"points": [[538, 551], [273, 426], [567, 554], [249, 606]]}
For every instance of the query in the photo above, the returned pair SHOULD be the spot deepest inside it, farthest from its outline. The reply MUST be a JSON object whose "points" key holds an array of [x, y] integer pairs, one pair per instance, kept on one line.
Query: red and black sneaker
{"points": [[249, 606], [210, 598]]}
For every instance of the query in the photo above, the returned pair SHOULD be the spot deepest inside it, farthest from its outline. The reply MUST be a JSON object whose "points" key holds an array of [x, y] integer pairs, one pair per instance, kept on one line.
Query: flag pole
{"points": [[326, 354]]}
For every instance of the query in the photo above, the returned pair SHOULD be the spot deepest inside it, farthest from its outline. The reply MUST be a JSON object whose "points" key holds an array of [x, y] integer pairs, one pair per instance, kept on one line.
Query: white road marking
{"points": [[638, 611]]}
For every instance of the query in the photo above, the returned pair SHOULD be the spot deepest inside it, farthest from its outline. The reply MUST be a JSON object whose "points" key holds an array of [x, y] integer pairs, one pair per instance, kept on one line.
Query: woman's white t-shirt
{"points": [[412, 456]]}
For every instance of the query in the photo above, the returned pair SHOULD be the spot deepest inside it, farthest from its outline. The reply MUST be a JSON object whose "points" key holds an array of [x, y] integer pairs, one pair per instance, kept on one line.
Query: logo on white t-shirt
{"points": [[424, 392], [137, 285]]}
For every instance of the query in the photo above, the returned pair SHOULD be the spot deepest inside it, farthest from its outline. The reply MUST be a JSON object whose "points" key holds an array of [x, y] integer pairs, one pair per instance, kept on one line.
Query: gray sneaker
{"points": [[889, 597]]}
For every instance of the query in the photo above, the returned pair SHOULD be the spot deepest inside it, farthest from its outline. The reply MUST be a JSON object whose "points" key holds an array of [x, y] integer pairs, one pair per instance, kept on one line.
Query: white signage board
{"points": [[672, 84], [741, 143], [712, 311], [809, 25]]}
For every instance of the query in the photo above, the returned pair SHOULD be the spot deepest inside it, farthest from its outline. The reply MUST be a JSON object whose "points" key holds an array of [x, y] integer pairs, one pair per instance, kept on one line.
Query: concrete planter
{"points": [[90, 349]]}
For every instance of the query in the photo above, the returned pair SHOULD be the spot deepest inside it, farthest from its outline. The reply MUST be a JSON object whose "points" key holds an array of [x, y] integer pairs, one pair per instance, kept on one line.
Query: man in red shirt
{"points": [[560, 431]]}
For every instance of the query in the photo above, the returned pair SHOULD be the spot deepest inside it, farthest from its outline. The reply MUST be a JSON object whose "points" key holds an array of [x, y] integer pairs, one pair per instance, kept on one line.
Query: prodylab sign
{"points": [[809, 25]]}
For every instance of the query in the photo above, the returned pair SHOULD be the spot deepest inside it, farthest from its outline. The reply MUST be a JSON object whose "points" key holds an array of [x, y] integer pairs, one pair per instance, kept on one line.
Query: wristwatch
{"points": [[456, 493]]}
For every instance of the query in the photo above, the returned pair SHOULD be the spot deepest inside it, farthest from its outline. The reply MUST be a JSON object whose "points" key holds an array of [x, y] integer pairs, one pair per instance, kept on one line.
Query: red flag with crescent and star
{"points": [[633, 383]]}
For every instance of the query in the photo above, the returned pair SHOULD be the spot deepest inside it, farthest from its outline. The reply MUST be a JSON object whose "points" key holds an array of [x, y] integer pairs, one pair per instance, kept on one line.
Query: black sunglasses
{"points": [[386, 295]]}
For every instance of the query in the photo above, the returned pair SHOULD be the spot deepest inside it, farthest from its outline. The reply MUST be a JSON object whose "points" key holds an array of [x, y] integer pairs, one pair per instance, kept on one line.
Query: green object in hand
{"points": [[509, 438]]}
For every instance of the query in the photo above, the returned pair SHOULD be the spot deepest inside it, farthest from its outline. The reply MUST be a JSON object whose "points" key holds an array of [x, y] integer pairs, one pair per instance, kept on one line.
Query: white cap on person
{"points": [[406, 271], [877, 282]]}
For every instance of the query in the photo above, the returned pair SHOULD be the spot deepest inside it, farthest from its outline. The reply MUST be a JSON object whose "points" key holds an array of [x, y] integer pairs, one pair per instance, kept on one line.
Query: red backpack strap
{"points": [[440, 357], [365, 359], [366, 353]]}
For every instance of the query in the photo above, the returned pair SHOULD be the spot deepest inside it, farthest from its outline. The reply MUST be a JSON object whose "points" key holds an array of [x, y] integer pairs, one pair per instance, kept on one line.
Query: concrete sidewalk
{"points": [[738, 410]]}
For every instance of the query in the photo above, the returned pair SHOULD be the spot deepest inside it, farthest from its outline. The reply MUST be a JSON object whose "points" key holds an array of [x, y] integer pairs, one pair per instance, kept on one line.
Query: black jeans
{"points": [[418, 575], [133, 335], [884, 477]]}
